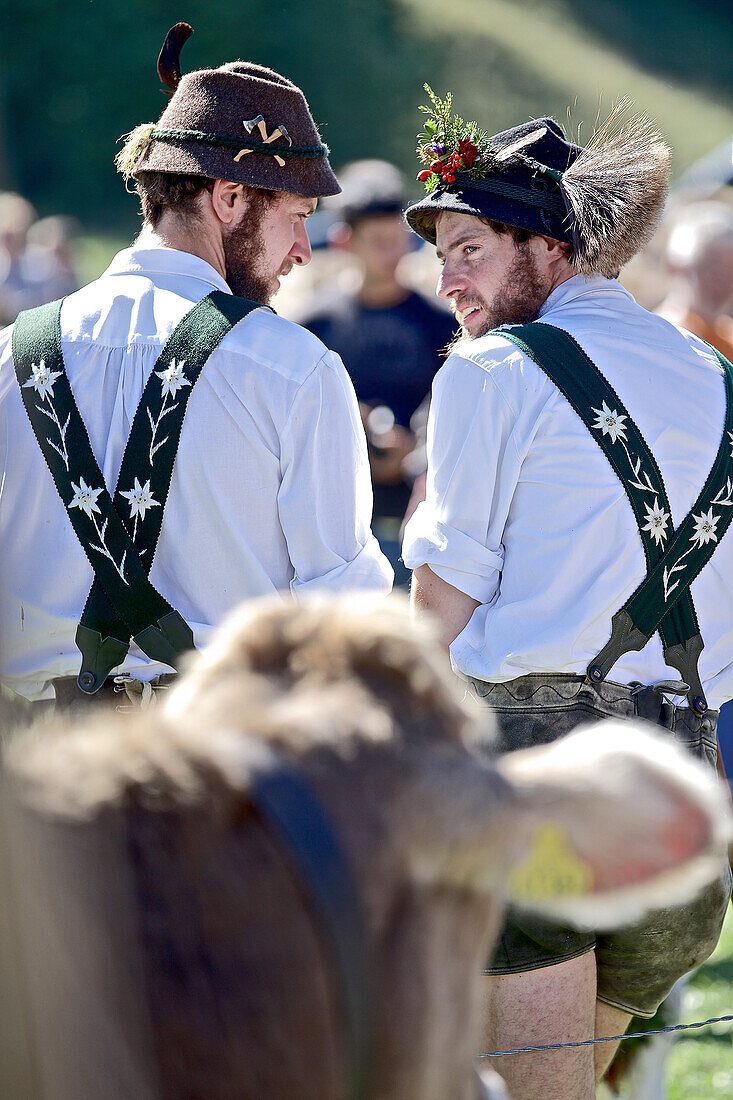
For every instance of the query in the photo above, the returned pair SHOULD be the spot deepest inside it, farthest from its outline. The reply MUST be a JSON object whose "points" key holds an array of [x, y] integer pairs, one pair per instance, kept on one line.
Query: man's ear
{"points": [[226, 198], [553, 249]]}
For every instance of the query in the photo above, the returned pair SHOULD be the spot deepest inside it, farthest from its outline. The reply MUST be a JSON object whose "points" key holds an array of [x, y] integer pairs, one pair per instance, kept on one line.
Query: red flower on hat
{"points": [[422, 176], [468, 151]]}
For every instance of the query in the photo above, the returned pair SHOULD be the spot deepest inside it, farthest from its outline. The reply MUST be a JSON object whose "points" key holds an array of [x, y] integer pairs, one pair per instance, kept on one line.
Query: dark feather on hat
{"points": [[169, 58]]}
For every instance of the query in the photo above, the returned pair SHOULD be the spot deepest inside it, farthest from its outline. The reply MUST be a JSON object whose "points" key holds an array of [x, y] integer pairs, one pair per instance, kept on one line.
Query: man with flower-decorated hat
{"points": [[127, 531], [580, 477]]}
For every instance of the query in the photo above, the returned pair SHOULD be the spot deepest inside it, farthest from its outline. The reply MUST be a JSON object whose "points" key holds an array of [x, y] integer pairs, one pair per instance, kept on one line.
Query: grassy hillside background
{"points": [[77, 75]]}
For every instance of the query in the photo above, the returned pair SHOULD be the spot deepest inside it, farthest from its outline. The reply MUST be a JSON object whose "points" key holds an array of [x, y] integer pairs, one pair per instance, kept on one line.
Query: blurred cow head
{"points": [[172, 949]]}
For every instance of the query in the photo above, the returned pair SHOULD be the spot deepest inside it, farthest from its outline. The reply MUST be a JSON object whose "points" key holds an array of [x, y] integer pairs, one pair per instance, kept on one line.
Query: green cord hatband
{"points": [[303, 151]]}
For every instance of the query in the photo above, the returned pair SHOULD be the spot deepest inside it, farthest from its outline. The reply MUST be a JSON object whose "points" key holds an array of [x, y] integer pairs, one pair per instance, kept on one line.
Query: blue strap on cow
{"points": [[663, 600], [122, 603], [290, 809]]}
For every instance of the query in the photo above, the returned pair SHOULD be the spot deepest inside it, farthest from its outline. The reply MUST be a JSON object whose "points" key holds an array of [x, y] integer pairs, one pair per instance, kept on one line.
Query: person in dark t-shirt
{"points": [[389, 337]]}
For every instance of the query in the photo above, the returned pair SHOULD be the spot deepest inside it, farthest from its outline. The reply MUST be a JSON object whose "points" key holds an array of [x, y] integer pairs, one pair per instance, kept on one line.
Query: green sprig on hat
{"points": [[449, 146]]}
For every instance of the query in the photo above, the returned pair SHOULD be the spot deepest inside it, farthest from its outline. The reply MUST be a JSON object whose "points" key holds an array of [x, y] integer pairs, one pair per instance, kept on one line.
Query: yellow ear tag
{"points": [[550, 869]]}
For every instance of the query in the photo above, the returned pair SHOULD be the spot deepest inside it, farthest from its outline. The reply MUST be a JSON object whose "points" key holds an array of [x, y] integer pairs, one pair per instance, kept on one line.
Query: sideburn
{"points": [[243, 249]]}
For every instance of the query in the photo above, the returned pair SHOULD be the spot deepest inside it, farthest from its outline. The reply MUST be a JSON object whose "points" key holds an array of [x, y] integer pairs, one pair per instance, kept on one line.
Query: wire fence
{"points": [[608, 1038]]}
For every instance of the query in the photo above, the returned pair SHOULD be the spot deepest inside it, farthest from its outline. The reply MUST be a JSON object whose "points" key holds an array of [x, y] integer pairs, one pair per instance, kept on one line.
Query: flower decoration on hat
{"points": [[449, 146]]}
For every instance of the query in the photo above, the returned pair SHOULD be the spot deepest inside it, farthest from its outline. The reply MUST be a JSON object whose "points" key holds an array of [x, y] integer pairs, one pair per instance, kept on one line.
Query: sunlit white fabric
{"points": [[270, 489], [525, 514]]}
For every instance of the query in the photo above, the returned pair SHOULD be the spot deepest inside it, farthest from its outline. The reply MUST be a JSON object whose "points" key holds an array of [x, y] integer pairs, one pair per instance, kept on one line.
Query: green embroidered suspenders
{"points": [[122, 603], [663, 600]]}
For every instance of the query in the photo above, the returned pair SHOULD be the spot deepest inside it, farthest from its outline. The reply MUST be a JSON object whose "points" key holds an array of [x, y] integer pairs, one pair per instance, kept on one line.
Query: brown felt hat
{"points": [[241, 122]]}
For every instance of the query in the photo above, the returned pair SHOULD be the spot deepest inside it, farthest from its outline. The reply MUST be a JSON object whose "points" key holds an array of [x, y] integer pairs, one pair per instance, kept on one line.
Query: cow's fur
{"points": [[174, 952]]}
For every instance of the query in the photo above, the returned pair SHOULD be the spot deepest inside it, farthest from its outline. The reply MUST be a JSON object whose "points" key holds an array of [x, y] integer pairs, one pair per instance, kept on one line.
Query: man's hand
{"points": [[387, 452], [452, 607]]}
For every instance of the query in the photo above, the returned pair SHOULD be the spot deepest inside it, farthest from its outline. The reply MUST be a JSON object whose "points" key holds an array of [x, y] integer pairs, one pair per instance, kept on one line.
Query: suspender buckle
{"points": [[98, 657], [684, 657], [624, 638], [166, 640]]}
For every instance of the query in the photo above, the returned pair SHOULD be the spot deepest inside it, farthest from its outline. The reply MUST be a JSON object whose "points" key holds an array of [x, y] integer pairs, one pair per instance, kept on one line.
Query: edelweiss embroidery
{"points": [[705, 525], [656, 522], [85, 498], [140, 498], [612, 423], [42, 380], [172, 380], [704, 532]]}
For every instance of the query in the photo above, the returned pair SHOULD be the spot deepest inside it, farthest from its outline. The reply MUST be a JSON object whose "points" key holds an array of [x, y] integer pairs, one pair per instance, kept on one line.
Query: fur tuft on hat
{"points": [[616, 189]]}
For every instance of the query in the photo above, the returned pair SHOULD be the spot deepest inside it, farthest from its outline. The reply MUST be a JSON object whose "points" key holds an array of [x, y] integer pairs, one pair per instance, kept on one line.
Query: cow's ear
{"points": [[621, 821]]}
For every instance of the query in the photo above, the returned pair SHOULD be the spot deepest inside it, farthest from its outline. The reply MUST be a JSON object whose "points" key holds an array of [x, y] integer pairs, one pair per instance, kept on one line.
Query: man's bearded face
{"points": [[490, 279], [266, 243]]}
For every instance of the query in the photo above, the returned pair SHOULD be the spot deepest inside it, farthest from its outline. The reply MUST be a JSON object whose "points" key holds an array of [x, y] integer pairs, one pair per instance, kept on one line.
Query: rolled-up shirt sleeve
{"points": [[325, 498], [473, 466]]}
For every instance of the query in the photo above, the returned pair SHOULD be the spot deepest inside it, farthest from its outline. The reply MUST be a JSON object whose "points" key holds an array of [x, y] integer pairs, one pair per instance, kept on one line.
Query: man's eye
{"points": [[469, 248]]}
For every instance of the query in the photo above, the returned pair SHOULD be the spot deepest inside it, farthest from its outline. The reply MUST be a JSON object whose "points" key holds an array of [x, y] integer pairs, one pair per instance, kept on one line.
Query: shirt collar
{"points": [[579, 286], [158, 260]]}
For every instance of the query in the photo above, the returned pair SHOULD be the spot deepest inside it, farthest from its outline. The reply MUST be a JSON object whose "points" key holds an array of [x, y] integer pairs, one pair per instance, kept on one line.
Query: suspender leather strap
{"points": [[122, 602], [663, 601]]}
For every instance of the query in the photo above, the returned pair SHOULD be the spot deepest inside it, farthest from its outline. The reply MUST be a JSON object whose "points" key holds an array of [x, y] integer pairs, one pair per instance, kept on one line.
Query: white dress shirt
{"points": [[270, 489], [524, 513]]}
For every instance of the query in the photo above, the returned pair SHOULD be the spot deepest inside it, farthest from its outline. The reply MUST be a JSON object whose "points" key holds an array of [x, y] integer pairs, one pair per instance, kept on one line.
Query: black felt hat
{"points": [[604, 200], [241, 122], [513, 192]]}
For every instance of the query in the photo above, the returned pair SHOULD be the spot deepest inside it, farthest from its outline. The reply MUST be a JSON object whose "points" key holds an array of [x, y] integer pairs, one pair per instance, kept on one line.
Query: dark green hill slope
{"points": [[77, 75]]}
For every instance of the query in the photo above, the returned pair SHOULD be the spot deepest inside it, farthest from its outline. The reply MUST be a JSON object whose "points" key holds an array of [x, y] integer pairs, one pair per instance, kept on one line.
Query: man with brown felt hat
{"points": [[264, 484], [580, 476]]}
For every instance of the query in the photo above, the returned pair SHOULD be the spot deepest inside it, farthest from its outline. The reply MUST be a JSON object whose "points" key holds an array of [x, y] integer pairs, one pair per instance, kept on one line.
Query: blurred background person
{"points": [[37, 257], [699, 260], [389, 336], [50, 258], [17, 291]]}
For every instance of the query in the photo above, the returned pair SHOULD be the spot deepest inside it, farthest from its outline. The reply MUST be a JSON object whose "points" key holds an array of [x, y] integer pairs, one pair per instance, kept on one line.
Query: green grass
{"points": [[700, 1066]]}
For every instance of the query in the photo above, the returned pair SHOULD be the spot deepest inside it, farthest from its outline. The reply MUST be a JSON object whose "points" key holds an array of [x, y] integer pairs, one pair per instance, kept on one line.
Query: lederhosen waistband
{"points": [[560, 690], [116, 693]]}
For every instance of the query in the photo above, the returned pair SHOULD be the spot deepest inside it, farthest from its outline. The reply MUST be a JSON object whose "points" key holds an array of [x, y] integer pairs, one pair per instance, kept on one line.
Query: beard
{"points": [[243, 250], [517, 302]]}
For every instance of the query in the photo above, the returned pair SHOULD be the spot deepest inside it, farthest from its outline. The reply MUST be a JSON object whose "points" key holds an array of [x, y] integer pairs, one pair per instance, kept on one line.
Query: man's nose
{"points": [[300, 253], [450, 283]]}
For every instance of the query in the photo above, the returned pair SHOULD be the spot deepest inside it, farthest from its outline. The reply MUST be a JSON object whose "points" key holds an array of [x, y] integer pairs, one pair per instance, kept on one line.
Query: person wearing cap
{"points": [[389, 336], [566, 540], [262, 488]]}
